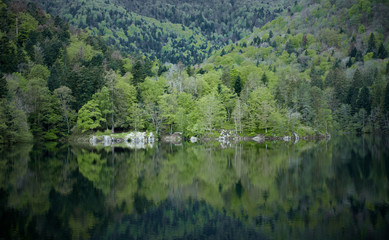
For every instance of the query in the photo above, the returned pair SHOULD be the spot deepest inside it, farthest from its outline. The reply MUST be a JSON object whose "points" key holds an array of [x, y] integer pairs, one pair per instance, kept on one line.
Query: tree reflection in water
{"points": [[324, 190]]}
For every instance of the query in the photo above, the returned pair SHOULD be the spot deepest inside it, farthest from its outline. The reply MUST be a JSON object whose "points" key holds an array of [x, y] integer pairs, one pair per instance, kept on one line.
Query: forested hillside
{"points": [[48, 73], [132, 33], [218, 20], [320, 67], [187, 32]]}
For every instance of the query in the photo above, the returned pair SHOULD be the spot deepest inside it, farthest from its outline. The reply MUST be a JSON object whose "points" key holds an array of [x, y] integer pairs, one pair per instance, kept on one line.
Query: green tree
{"points": [[316, 78], [3, 86], [168, 105], [357, 81], [352, 98], [110, 78], [325, 119], [238, 115], [344, 117], [125, 96], [382, 53], [364, 100], [260, 106], [50, 120], [289, 47], [238, 85], [39, 71], [90, 117], [136, 117], [226, 77], [104, 103], [155, 116], [264, 79], [371, 45], [227, 97], [37, 99], [152, 89], [211, 112], [386, 99], [13, 123], [362, 117], [64, 94], [186, 115], [139, 72]]}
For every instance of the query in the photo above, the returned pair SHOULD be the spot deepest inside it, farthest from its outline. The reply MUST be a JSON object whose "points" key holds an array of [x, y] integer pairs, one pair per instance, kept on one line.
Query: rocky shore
{"points": [[141, 140]]}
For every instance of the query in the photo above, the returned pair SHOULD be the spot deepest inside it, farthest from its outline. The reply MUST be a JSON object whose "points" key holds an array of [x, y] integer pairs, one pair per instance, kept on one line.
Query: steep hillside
{"points": [[316, 69], [183, 32], [47, 74], [131, 32], [326, 64], [219, 20]]}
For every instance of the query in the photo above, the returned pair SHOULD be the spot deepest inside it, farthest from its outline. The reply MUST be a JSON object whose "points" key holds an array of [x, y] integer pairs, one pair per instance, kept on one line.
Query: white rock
{"points": [[107, 140], [92, 140]]}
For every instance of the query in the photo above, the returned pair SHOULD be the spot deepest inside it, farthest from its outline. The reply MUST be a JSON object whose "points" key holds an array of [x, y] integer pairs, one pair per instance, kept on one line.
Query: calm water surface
{"points": [[317, 190]]}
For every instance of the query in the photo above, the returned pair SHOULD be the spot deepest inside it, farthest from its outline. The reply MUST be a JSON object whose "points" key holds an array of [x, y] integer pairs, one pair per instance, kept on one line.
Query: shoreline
{"points": [[141, 139]]}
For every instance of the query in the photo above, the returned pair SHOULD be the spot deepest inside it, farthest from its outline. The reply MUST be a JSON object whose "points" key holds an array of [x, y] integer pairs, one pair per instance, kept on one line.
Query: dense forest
{"points": [[172, 31], [319, 67]]}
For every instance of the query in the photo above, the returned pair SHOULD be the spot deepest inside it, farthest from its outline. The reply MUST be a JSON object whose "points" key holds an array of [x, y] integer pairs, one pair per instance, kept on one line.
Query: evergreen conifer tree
{"points": [[238, 85], [364, 100], [386, 99], [382, 53], [264, 79], [3, 86], [371, 47]]}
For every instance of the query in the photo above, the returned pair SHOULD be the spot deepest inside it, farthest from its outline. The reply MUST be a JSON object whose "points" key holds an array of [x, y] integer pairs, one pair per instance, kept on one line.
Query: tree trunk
{"points": [[17, 29], [113, 127]]}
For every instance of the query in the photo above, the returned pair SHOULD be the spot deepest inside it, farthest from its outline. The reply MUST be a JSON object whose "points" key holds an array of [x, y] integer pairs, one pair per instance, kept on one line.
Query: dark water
{"points": [[316, 190]]}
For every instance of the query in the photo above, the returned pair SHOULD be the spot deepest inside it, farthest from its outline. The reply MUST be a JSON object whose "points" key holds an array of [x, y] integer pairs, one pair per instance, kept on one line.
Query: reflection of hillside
{"points": [[283, 191], [291, 184]]}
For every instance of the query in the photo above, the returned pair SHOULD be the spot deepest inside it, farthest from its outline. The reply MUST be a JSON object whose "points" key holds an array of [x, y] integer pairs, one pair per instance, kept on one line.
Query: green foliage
{"points": [[90, 117], [261, 105], [361, 29], [238, 86], [382, 53], [104, 102], [3, 86], [371, 47], [79, 50], [330, 37], [124, 97], [39, 71], [264, 79], [64, 95], [368, 56], [13, 124], [364, 100], [296, 73], [211, 113], [136, 117], [386, 99], [26, 24]]}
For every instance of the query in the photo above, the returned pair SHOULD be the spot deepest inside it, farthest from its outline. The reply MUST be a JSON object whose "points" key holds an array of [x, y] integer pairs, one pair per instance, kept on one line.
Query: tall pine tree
{"points": [[364, 100], [386, 99], [264, 79], [382, 53], [238, 85], [3, 86], [371, 47]]}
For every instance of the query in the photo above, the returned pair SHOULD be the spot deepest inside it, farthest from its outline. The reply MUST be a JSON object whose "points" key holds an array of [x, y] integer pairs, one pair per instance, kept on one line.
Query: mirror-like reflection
{"points": [[309, 190]]}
